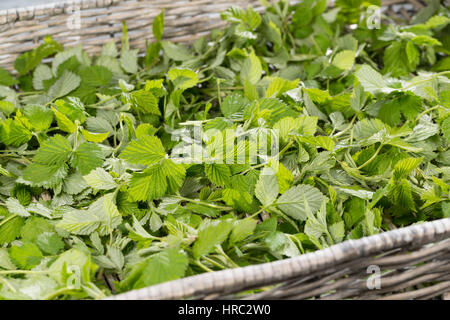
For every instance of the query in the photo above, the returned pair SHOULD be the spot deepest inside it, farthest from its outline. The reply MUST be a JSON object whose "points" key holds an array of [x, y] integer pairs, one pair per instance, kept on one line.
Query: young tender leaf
{"points": [[99, 179], [64, 123], [102, 216], [45, 175], [25, 256], [175, 51], [13, 133], [242, 230], [95, 76], [292, 202], [210, 234], [233, 106], [149, 184], [266, 189], [40, 117], [146, 150], [158, 26], [29, 60], [94, 137], [6, 79], [54, 151], [15, 207], [404, 167], [9, 229], [170, 264], [146, 102], [183, 78], [219, 174], [344, 60], [129, 61], [41, 74], [67, 83], [252, 69], [50, 243], [371, 80], [86, 157]]}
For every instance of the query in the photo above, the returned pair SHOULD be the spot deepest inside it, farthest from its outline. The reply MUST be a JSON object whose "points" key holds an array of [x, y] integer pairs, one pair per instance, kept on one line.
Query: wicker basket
{"points": [[407, 263]]}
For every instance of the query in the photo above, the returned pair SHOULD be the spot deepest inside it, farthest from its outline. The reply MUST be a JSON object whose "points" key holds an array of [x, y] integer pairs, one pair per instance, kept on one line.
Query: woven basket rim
{"points": [[267, 273], [51, 9]]}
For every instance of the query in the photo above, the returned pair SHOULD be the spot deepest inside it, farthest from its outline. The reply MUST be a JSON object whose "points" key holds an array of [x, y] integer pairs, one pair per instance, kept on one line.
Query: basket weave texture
{"points": [[93, 23], [414, 261], [407, 258]]}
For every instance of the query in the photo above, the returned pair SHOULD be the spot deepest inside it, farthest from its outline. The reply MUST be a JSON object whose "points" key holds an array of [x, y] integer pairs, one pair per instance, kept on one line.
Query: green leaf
{"points": [[233, 105], [45, 175], [149, 184], [13, 133], [219, 174], [284, 177], [71, 264], [64, 123], [146, 150], [6, 79], [33, 227], [7, 107], [25, 256], [94, 136], [15, 207], [95, 76], [146, 102], [210, 234], [294, 201], [278, 86], [86, 157], [266, 189], [67, 83], [29, 60], [101, 216], [99, 179], [175, 174], [344, 60], [80, 222], [145, 129], [251, 69], [371, 80], [400, 194], [413, 55], [129, 60], [407, 104], [9, 229], [158, 26], [176, 52], [74, 183], [54, 151], [5, 261], [445, 128], [169, 264], [396, 60], [242, 229], [40, 75], [183, 78], [40, 117], [404, 167]]}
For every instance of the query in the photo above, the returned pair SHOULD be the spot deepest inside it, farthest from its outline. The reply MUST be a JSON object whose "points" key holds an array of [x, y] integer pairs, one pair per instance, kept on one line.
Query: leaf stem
{"points": [[425, 80], [346, 129], [371, 158], [426, 111], [8, 219]]}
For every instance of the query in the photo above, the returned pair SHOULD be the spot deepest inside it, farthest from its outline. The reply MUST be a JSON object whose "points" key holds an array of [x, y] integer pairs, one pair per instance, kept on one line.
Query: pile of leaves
{"points": [[94, 201]]}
